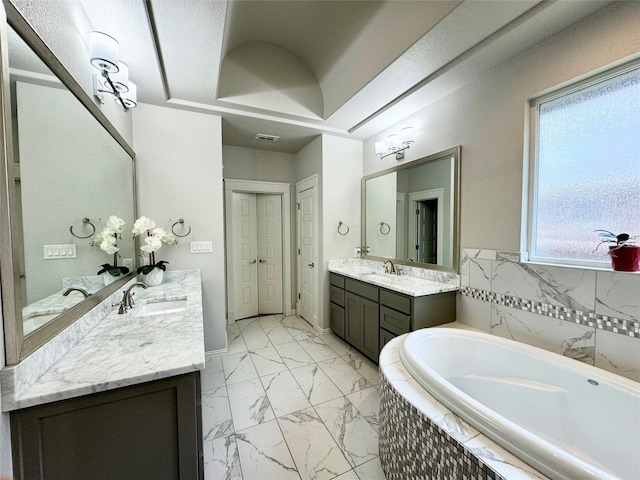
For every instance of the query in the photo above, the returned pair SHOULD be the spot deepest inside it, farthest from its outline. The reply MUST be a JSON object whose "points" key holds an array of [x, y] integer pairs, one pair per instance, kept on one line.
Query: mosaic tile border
{"points": [[423, 450], [629, 328]]}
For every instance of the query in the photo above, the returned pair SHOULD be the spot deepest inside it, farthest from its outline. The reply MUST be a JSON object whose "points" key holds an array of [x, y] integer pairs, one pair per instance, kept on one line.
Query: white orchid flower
{"points": [[108, 245], [142, 225], [115, 224], [151, 245], [162, 234]]}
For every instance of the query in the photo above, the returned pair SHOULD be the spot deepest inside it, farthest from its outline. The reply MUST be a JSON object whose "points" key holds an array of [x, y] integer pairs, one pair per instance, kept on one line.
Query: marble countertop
{"points": [[123, 350], [408, 284]]}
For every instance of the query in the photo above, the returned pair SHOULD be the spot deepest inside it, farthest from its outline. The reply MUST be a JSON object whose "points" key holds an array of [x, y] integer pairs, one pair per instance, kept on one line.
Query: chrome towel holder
{"points": [[382, 225], [340, 225], [181, 222], [85, 221]]}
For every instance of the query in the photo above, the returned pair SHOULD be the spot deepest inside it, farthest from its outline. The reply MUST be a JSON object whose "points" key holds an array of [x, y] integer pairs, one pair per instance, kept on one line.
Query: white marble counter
{"points": [[123, 350], [413, 281]]}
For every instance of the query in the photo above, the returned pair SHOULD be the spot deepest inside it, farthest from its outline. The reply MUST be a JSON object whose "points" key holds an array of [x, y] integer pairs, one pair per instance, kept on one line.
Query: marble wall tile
{"points": [[564, 338], [221, 459], [480, 274], [568, 287], [249, 404], [618, 354], [264, 454], [314, 451], [473, 313], [617, 295], [353, 434]]}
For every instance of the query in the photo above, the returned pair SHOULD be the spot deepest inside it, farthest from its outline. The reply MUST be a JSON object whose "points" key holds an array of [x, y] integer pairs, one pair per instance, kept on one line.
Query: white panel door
{"points": [[269, 210], [245, 255], [307, 241]]}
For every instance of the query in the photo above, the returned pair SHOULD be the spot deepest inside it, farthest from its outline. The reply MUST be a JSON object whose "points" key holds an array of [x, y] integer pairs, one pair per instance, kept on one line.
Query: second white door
{"points": [[258, 261]]}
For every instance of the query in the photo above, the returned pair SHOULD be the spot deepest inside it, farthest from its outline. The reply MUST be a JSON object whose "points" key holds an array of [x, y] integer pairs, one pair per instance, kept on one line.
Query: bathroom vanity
{"points": [[368, 307], [124, 400]]}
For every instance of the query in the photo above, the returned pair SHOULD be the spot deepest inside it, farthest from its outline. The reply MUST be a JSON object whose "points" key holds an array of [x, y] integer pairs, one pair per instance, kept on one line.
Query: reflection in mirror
{"points": [[67, 167], [411, 212]]}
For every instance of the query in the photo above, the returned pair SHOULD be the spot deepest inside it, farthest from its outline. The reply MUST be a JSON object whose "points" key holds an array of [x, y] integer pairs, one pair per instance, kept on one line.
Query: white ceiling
{"points": [[371, 63]]}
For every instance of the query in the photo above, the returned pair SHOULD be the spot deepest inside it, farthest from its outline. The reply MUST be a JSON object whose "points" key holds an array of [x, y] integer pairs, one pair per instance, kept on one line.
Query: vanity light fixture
{"points": [[396, 144], [114, 74]]}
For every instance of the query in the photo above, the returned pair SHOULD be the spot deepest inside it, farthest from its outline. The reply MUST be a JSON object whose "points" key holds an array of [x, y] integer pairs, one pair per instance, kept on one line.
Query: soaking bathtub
{"points": [[566, 419]]}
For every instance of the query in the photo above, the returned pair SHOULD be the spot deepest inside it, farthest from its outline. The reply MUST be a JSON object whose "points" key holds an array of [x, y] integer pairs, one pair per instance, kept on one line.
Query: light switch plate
{"points": [[201, 247], [59, 252]]}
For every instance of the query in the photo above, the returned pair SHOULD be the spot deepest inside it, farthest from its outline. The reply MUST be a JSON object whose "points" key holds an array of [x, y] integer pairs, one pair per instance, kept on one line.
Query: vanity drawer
{"points": [[393, 321], [362, 289], [336, 295], [336, 280], [395, 301]]}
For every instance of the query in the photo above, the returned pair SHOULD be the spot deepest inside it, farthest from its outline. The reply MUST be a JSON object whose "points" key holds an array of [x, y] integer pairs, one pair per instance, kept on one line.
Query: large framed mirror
{"points": [[66, 171], [411, 213]]}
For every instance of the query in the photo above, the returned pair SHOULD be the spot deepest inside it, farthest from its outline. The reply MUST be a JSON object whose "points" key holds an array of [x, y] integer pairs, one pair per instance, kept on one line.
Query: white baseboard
{"points": [[215, 353]]}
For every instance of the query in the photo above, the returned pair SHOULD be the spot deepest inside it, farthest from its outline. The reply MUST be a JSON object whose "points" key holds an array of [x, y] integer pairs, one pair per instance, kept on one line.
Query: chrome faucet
{"points": [[74, 289], [127, 297], [391, 268]]}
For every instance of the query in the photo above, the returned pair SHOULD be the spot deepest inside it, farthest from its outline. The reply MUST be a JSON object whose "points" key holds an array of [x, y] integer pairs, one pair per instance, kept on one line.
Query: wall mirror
{"points": [[66, 172], [411, 212]]}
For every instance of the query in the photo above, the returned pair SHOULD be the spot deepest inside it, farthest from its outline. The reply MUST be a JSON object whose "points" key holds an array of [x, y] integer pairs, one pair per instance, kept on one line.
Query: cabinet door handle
{"points": [[311, 265], [252, 261]]}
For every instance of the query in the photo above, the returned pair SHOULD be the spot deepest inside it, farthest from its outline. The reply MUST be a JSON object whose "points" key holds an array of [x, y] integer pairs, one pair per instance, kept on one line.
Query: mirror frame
{"points": [[455, 152], [18, 347]]}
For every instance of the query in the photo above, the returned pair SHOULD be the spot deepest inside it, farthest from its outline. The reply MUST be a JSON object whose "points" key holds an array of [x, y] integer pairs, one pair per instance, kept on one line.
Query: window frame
{"points": [[530, 160]]}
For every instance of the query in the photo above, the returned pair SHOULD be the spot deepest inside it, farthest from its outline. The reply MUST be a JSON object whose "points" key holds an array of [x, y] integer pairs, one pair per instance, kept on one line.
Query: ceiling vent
{"points": [[267, 138]]}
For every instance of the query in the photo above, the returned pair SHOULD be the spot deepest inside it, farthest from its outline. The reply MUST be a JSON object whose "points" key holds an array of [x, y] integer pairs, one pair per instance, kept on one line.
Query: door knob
{"points": [[253, 261], [311, 265]]}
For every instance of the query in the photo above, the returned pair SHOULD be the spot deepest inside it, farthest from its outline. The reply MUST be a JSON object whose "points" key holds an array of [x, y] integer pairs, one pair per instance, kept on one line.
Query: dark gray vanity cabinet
{"points": [[148, 431], [367, 317]]}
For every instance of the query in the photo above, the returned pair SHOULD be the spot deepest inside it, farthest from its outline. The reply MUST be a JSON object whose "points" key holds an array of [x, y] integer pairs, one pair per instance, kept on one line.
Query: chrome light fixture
{"points": [[114, 74], [396, 144]]}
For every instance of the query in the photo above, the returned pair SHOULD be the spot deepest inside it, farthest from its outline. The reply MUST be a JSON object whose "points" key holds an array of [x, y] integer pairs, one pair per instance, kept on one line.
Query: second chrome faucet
{"points": [[127, 297]]}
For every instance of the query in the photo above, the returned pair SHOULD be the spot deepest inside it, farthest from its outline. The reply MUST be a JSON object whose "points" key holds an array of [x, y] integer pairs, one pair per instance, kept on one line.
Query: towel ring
{"points": [[339, 225], [181, 222], [86, 221], [382, 225]]}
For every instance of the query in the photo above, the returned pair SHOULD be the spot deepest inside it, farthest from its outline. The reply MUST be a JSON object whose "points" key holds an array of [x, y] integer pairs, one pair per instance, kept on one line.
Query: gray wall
{"points": [[487, 118]]}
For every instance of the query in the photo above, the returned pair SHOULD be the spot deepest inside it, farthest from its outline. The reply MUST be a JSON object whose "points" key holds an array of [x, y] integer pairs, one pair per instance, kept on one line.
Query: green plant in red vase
{"points": [[625, 254]]}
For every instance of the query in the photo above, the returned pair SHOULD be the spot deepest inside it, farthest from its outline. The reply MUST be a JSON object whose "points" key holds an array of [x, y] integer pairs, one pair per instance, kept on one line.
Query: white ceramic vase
{"points": [[154, 277]]}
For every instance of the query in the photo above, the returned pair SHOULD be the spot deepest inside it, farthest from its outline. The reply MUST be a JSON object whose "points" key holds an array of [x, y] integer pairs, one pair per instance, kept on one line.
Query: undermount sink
{"points": [[157, 308]]}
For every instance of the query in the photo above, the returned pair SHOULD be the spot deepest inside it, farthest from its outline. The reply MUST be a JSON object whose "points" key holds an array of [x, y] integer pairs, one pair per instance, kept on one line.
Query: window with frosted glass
{"points": [[587, 171]]}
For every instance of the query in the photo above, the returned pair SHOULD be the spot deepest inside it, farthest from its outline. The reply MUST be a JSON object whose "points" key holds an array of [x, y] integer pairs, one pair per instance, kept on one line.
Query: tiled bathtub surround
{"points": [[590, 315], [420, 438]]}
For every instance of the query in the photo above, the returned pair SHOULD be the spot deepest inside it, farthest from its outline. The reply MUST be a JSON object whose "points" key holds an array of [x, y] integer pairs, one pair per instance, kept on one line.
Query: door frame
{"points": [[414, 198], [302, 185], [254, 186]]}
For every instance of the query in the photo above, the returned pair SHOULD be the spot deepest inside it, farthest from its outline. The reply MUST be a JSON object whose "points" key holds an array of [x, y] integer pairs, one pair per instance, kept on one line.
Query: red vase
{"points": [[625, 258]]}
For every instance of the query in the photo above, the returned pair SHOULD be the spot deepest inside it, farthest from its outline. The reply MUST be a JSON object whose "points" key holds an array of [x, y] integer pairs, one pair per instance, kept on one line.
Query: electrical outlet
{"points": [[127, 262], [357, 252]]}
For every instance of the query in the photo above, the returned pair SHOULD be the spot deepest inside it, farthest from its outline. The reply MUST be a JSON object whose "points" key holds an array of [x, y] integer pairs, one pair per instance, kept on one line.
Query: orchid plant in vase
{"points": [[107, 240], [155, 237]]}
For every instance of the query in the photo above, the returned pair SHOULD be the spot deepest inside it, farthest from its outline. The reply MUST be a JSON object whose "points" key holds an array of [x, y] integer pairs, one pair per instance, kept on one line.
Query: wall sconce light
{"points": [[396, 144], [114, 74]]}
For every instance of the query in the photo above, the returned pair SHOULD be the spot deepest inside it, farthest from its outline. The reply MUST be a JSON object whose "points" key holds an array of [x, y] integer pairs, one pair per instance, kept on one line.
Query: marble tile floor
{"points": [[285, 403]]}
